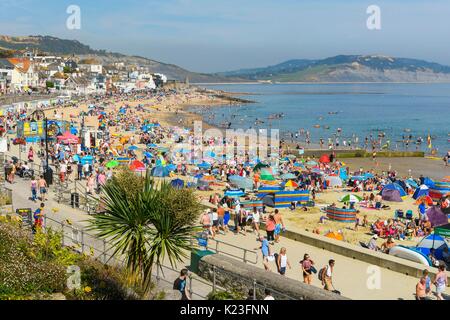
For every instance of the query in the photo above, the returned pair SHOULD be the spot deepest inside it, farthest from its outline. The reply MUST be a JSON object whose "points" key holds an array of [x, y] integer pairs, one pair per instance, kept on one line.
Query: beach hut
{"points": [[391, 195], [421, 191], [341, 215]]}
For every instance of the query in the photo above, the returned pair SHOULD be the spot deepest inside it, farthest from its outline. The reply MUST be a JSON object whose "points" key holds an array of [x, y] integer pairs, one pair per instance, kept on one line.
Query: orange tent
{"points": [[335, 235]]}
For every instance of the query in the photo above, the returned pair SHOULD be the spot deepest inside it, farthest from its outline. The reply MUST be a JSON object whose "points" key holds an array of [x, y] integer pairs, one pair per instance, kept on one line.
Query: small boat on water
{"points": [[316, 126]]}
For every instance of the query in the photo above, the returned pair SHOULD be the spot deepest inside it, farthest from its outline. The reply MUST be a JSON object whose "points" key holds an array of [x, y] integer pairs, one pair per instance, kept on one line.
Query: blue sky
{"points": [[220, 35]]}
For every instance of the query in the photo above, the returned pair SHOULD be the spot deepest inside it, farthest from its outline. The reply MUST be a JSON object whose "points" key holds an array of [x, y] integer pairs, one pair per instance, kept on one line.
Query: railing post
{"points": [[214, 279], [62, 231], [190, 286], [254, 289], [82, 241], [217, 246], [245, 255], [104, 251]]}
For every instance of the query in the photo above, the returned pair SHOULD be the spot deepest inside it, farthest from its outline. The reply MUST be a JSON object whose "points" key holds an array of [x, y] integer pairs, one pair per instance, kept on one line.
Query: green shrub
{"points": [[225, 295]]}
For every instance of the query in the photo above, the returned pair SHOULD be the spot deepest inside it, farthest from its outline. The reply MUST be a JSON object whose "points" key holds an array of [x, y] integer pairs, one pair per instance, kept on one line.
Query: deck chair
{"points": [[409, 214]]}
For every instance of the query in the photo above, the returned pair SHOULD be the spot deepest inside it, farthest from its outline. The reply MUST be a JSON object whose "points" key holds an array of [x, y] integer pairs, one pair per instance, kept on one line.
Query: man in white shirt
{"points": [[268, 295]]}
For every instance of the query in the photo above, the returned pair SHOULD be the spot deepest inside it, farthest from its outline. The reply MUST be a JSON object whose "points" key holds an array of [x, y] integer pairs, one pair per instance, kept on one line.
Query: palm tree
{"points": [[143, 227]]}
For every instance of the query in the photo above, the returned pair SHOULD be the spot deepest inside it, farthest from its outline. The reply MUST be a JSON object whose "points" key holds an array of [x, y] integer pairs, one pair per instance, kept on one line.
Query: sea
{"points": [[350, 112]]}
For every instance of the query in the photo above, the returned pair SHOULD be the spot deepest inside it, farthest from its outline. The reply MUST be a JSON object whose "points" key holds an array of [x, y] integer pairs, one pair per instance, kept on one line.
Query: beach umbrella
{"points": [[204, 165], [266, 175], [208, 178], [299, 164], [137, 165], [288, 176], [148, 155], [132, 148], [324, 159], [159, 171], [87, 159], [291, 184], [198, 176], [259, 166], [112, 164], [368, 175], [241, 182], [152, 145], [171, 167], [351, 198], [291, 156], [177, 183], [311, 163]]}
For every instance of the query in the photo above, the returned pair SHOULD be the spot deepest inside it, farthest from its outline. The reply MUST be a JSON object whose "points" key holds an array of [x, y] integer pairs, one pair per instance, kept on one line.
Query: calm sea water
{"points": [[360, 110]]}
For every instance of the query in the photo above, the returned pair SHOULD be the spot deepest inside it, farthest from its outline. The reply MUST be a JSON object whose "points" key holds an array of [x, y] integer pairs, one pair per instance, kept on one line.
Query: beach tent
{"points": [[333, 181], [391, 195], [402, 184], [177, 183], [259, 166], [425, 198], [412, 183], [440, 189], [436, 216], [234, 193], [434, 241], [335, 235], [269, 200], [395, 186], [421, 191], [427, 181], [324, 159], [160, 171]]}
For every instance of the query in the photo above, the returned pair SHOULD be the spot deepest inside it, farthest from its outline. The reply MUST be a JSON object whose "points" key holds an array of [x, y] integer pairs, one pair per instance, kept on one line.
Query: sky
{"points": [[223, 35]]}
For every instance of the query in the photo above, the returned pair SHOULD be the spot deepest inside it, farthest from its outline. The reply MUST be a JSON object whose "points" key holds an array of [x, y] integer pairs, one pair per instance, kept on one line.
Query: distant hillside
{"points": [[349, 68], [53, 45]]}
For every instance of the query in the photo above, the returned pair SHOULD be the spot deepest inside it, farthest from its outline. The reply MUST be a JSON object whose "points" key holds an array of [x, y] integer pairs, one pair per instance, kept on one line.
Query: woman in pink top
{"points": [[270, 228]]}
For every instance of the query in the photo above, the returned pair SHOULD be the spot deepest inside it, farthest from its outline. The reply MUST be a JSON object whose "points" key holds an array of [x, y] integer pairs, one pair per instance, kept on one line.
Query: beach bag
{"points": [[322, 273]]}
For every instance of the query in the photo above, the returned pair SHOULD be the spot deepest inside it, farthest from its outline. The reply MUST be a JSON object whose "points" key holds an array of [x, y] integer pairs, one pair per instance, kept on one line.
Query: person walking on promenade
{"points": [[279, 225], [38, 217], [34, 186], [441, 282], [308, 268], [266, 252], [282, 262], [421, 289], [326, 275], [270, 228], [42, 187], [180, 285]]}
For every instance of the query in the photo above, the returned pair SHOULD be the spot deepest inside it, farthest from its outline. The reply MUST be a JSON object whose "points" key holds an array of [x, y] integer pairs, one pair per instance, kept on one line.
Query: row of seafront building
{"points": [[28, 71]]}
